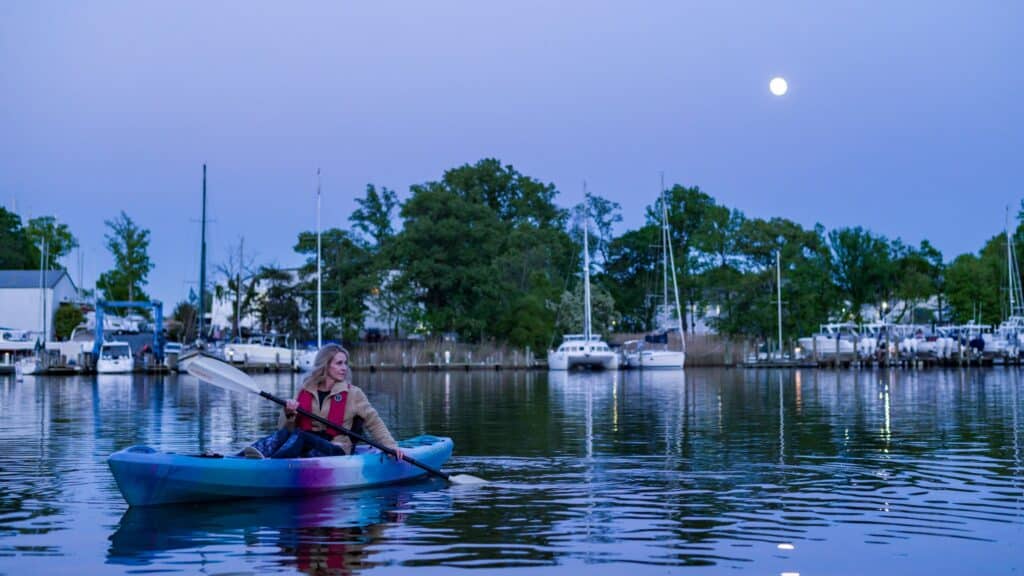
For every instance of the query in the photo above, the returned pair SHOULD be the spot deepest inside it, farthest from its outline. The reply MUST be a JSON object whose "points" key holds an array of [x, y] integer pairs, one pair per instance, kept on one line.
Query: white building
{"points": [[23, 306]]}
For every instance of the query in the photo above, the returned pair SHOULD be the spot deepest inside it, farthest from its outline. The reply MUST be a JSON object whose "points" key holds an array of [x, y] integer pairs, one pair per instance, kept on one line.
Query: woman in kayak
{"points": [[327, 393]]}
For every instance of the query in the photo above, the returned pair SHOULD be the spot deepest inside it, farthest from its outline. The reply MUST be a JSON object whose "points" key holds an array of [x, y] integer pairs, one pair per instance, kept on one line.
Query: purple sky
{"points": [[903, 117]]}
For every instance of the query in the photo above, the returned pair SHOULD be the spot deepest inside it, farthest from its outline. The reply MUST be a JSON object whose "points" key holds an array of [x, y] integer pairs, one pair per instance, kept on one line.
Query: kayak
{"points": [[148, 477]]}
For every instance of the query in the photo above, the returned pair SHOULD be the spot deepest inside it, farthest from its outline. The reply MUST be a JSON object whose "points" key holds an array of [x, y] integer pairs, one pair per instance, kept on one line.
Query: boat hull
{"points": [[147, 477], [656, 360]]}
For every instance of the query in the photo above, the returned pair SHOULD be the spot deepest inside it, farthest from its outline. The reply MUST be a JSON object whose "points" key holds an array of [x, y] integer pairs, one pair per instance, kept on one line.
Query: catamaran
{"points": [[585, 350]]}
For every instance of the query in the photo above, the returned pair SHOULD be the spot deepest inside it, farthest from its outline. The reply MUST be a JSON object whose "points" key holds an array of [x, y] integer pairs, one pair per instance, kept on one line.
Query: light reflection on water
{"points": [[759, 471]]}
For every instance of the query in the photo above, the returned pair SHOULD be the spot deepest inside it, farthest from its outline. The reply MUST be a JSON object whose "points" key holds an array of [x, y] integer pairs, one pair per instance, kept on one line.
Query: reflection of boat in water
{"points": [[320, 530]]}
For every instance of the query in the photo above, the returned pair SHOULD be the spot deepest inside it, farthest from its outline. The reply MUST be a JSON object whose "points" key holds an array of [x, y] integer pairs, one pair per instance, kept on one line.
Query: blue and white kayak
{"points": [[147, 477]]}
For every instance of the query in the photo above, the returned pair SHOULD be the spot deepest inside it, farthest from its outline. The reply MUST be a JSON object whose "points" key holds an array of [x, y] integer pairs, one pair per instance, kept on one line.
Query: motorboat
{"points": [[840, 338], [259, 350], [115, 358]]}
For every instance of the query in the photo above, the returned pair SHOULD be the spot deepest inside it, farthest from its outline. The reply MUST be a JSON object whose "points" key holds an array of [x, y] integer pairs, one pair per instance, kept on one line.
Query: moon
{"points": [[778, 86]]}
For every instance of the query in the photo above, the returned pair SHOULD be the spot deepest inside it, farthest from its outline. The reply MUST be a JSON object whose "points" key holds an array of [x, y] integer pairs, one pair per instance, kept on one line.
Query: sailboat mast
{"points": [[42, 289], [672, 262], [664, 246], [778, 293], [319, 292], [202, 263], [586, 264]]}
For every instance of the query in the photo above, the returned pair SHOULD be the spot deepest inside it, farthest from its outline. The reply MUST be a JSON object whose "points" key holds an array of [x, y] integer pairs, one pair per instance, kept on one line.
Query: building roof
{"points": [[30, 278]]}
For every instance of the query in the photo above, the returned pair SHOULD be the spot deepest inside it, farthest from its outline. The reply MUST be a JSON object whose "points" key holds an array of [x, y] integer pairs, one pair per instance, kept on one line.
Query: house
{"points": [[24, 307]]}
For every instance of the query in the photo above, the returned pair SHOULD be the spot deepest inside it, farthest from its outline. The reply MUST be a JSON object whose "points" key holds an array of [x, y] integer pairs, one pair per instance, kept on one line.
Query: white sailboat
{"points": [[1008, 337], [585, 350], [637, 354]]}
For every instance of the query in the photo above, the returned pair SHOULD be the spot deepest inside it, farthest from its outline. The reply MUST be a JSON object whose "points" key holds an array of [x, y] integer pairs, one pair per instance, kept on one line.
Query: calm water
{"points": [[716, 471]]}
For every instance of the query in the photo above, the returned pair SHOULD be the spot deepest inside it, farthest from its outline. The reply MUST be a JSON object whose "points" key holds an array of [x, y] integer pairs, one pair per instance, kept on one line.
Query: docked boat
{"points": [[147, 477], [653, 351], [842, 338], [587, 350], [259, 350], [115, 358]]}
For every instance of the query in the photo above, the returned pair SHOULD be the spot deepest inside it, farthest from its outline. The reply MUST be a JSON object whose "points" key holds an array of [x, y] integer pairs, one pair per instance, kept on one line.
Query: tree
{"points": [[917, 276], [347, 278], [481, 247], [129, 245], [239, 279], [746, 287], [694, 219], [633, 276], [603, 316], [278, 307], [17, 251], [861, 267], [184, 323], [969, 290], [67, 317], [58, 239], [373, 217]]}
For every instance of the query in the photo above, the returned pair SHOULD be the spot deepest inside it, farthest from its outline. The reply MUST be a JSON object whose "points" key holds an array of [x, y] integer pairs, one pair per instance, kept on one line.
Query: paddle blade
{"points": [[220, 373], [465, 479]]}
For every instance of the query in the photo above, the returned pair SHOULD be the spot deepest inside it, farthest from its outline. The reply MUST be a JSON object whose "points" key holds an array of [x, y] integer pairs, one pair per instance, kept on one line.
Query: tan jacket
{"points": [[356, 405]]}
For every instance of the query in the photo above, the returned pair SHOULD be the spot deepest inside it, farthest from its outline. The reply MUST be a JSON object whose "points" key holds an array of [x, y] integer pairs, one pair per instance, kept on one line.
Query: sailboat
{"points": [[34, 364], [1009, 336], [585, 350], [637, 355]]}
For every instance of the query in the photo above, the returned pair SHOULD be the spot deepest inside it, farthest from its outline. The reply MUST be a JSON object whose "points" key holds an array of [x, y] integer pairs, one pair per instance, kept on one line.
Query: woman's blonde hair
{"points": [[320, 363]]}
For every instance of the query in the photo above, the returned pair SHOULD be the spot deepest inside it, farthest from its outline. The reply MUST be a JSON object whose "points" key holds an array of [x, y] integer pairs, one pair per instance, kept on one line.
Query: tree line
{"points": [[484, 253]]}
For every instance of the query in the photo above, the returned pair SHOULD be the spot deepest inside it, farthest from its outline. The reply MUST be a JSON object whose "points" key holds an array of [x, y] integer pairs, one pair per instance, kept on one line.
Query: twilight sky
{"points": [[904, 117]]}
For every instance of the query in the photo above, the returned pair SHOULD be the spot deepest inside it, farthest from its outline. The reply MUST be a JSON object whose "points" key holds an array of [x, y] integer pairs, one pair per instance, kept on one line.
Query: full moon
{"points": [[778, 86]]}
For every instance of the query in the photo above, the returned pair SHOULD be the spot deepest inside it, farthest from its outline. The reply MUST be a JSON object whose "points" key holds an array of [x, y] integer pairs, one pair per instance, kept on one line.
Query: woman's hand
{"points": [[398, 453], [290, 407]]}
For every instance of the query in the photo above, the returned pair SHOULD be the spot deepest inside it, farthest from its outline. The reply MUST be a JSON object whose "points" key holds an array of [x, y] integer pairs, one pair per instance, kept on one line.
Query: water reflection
{"points": [[771, 471], [323, 534]]}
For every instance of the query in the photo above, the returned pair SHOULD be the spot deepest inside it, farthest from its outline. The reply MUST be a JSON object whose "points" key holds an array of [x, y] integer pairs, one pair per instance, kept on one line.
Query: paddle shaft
{"points": [[358, 436]]}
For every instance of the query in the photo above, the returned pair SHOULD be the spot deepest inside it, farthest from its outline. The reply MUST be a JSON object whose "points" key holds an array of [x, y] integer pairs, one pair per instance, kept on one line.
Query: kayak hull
{"points": [[147, 477]]}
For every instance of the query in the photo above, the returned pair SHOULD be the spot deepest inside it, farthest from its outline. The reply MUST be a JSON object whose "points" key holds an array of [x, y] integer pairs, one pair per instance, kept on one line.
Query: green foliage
{"points": [[184, 323], [58, 239], [346, 279], [17, 252], [65, 319], [862, 268], [373, 217], [278, 308], [129, 245], [633, 276], [746, 291], [603, 316], [969, 282], [481, 246]]}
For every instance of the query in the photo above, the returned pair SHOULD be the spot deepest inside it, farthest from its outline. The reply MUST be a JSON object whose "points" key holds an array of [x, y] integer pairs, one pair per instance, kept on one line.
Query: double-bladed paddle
{"points": [[219, 373]]}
